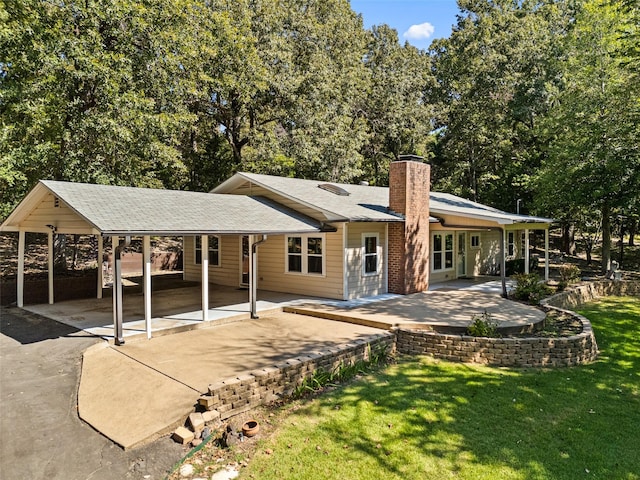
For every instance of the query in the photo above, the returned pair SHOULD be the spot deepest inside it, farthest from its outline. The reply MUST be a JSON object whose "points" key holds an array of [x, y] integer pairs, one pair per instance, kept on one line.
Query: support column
{"points": [[114, 245], [546, 254], [146, 268], [20, 283], [117, 289], [204, 245], [253, 274], [50, 265], [345, 262], [100, 266], [503, 263], [526, 250]]}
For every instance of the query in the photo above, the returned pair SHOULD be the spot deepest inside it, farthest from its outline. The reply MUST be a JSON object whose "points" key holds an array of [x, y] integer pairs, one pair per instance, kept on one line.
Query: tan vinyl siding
{"points": [[272, 273], [64, 219], [271, 267], [228, 273], [360, 285], [488, 255]]}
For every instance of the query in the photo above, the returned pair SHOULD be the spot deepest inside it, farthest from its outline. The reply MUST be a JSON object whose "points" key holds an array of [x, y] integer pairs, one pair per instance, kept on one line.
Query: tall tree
{"points": [[395, 108], [76, 102], [492, 76], [594, 126]]}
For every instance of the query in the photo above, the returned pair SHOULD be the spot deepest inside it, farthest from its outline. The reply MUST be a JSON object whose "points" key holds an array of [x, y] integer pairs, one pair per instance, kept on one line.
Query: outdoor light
{"points": [[53, 228]]}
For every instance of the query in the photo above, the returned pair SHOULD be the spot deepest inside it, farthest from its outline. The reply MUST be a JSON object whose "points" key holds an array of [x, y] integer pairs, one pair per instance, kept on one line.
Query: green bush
{"points": [[569, 273], [483, 325], [530, 289], [513, 267]]}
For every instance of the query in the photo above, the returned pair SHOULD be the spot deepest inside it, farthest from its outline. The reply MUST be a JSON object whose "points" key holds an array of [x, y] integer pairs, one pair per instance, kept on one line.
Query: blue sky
{"points": [[417, 21]]}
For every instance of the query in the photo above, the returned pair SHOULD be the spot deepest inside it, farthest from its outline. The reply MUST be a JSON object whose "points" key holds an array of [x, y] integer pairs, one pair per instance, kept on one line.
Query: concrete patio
{"points": [[179, 309], [135, 392]]}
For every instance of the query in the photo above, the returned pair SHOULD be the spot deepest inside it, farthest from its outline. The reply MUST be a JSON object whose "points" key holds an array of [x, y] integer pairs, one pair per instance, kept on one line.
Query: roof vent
{"points": [[336, 190]]}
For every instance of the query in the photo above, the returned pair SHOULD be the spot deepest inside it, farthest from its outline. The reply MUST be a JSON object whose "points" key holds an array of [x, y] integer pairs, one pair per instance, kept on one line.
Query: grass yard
{"points": [[429, 419]]}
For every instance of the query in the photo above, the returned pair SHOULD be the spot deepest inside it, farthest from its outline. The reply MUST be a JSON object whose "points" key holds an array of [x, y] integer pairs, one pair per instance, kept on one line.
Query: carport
{"points": [[117, 214]]}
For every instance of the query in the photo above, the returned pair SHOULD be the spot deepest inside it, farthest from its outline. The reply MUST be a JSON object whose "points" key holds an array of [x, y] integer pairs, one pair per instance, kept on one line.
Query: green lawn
{"points": [[429, 419]]}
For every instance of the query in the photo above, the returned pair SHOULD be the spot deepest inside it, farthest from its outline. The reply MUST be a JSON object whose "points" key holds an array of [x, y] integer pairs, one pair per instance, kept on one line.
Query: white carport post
{"points": [[50, 265], [204, 250], [20, 284], [114, 245], [100, 265], [546, 254], [526, 250], [253, 274], [146, 254]]}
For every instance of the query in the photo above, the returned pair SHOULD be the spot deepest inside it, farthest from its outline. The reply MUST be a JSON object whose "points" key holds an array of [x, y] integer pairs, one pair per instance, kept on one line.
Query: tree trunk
{"points": [[568, 239], [60, 253], [633, 225], [606, 237]]}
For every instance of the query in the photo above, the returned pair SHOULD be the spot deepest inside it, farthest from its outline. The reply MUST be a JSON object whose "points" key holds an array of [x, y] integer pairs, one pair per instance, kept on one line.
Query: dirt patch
{"points": [[556, 324]]}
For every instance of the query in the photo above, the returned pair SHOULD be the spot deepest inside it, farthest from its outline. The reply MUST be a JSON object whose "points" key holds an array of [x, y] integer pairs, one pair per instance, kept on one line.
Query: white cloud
{"points": [[419, 32]]}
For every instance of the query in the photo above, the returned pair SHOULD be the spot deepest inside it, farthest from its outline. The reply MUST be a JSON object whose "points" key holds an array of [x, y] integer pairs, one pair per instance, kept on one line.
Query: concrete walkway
{"points": [[138, 391]]}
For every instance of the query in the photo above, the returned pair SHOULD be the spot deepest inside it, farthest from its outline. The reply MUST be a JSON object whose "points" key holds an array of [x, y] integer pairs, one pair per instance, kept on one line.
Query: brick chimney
{"points": [[409, 184]]}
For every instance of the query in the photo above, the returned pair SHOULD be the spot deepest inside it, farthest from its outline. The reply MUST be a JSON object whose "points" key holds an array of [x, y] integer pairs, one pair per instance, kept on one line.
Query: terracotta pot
{"points": [[250, 428]]}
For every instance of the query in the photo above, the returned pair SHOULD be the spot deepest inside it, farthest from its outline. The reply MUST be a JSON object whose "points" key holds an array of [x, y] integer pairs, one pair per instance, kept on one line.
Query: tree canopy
{"points": [[528, 102]]}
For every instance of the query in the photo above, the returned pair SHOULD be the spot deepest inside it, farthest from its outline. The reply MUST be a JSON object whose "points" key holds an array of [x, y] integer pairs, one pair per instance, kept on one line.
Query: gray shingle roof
{"points": [[364, 203], [447, 204], [368, 203], [127, 210]]}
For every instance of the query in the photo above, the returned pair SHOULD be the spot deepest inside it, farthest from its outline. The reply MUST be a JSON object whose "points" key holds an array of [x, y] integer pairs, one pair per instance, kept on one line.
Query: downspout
{"points": [[502, 258], [253, 288], [117, 285]]}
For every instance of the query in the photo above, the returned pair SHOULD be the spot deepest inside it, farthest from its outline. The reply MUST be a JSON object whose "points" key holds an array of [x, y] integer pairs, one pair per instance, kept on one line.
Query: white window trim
{"points": [[378, 254], [511, 244], [195, 250], [305, 255], [476, 235], [443, 251]]}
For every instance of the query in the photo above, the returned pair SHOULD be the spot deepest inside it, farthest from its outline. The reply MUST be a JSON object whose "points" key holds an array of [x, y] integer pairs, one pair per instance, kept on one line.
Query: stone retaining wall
{"points": [[506, 352], [236, 395], [573, 297]]}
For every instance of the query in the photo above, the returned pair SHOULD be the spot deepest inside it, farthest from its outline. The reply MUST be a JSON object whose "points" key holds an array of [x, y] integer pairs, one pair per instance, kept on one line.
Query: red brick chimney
{"points": [[409, 184]]}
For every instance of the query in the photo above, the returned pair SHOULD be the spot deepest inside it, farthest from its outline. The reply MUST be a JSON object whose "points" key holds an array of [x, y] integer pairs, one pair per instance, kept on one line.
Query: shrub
{"points": [[483, 325], [569, 273], [529, 288]]}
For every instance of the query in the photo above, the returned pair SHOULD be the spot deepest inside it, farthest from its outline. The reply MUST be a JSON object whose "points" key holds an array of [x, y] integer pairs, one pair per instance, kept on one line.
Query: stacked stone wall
{"points": [[505, 352], [236, 395], [580, 294]]}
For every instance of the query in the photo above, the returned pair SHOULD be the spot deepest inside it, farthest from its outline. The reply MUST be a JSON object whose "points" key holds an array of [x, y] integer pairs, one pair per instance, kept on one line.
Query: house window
{"points": [[475, 241], [370, 254], [214, 251], [442, 251], [511, 247], [305, 254]]}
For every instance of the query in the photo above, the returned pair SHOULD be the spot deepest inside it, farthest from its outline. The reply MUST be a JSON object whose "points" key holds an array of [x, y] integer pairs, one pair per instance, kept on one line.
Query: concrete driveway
{"points": [[41, 436], [138, 391]]}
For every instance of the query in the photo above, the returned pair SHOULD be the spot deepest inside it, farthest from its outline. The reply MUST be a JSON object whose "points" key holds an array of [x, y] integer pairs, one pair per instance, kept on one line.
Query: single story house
{"points": [[290, 235]]}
